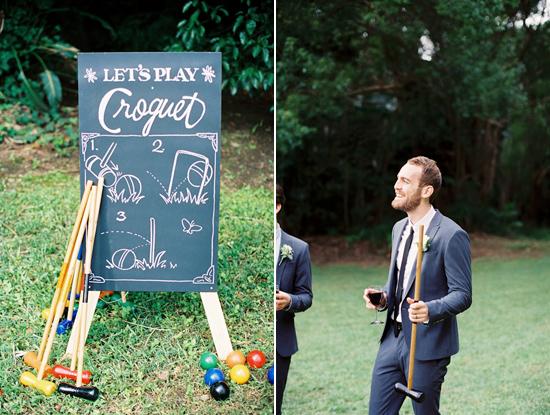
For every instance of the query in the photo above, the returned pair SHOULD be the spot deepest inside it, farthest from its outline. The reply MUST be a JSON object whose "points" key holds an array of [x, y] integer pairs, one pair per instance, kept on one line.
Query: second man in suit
{"points": [[293, 295]]}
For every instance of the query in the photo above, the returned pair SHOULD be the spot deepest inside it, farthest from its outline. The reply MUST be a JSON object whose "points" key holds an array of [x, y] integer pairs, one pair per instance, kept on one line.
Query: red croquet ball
{"points": [[256, 359]]}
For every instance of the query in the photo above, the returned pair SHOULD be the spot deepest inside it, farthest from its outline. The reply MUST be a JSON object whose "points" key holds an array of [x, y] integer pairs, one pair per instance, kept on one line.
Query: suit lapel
{"points": [[431, 232], [281, 264], [395, 246]]}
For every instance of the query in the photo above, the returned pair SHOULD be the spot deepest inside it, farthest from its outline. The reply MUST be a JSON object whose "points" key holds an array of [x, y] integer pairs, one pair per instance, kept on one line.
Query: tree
{"points": [[364, 86]]}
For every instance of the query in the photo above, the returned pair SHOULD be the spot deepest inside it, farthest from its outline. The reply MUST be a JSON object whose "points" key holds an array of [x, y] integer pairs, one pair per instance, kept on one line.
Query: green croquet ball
{"points": [[101, 304], [208, 360]]}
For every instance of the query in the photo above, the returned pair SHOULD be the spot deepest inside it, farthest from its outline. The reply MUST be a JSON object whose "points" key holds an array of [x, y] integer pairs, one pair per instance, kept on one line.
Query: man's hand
{"points": [[418, 312], [282, 300], [370, 305]]}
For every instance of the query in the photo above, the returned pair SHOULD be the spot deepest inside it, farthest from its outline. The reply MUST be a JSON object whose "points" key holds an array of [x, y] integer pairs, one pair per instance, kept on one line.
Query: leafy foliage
{"points": [[242, 32], [32, 57], [363, 87]]}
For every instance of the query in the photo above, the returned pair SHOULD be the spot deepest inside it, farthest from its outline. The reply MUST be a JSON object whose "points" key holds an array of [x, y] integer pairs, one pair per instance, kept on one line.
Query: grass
{"points": [[502, 366], [145, 362]]}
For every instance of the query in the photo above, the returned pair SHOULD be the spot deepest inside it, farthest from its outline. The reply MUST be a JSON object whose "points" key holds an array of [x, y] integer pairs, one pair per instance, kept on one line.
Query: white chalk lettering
{"points": [[190, 109]]}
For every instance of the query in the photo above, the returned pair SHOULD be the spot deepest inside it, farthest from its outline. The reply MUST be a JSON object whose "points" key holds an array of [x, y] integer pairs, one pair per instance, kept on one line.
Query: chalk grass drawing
{"points": [[124, 188], [126, 259], [190, 227], [197, 176]]}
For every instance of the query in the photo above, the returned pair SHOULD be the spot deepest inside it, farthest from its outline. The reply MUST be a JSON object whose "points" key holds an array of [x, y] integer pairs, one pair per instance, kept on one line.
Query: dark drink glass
{"points": [[376, 298]]}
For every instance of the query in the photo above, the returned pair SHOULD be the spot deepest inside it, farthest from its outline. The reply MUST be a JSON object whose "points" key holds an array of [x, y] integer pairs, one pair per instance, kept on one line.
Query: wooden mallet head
{"points": [[45, 387], [411, 393], [90, 393]]}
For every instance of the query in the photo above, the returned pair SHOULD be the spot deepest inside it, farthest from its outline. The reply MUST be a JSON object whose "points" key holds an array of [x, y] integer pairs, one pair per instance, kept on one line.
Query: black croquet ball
{"points": [[219, 391]]}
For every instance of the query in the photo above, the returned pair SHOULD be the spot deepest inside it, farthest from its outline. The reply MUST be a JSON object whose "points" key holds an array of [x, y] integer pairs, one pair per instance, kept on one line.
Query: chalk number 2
{"points": [[157, 146]]}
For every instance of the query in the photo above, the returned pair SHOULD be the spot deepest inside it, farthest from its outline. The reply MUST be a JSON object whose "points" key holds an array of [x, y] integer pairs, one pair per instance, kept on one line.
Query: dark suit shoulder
{"points": [[296, 243], [450, 227]]}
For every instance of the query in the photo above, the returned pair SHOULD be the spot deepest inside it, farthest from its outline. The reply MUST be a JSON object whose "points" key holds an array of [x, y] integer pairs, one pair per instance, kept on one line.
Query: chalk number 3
{"points": [[121, 216], [157, 146]]}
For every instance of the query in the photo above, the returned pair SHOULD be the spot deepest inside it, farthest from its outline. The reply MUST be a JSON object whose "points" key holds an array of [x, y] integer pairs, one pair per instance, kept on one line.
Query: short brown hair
{"points": [[280, 195], [431, 175]]}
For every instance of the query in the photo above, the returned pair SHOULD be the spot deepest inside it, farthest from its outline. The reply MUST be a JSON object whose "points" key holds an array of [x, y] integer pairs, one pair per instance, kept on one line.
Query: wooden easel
{"points": [[212, 308]]}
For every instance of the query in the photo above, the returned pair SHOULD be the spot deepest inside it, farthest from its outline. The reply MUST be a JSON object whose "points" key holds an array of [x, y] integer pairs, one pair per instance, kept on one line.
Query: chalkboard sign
{"points": [[150, 125]]}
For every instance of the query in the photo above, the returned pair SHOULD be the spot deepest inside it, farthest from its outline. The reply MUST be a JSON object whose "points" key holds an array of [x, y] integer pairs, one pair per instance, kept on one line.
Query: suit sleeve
{"points": [[458, 269], [302, 295]]}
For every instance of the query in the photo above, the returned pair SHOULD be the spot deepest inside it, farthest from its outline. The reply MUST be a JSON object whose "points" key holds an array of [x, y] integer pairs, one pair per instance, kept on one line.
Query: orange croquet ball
{"points": [[236, 357], [239, 374]]}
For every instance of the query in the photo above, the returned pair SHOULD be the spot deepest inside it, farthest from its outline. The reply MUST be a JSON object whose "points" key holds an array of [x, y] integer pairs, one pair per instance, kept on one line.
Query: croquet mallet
{"points": [[89, 393], [408, 390]]}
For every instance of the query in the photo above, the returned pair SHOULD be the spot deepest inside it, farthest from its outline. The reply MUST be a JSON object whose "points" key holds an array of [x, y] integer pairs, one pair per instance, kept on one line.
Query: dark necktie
{"points": [[399, 294]]}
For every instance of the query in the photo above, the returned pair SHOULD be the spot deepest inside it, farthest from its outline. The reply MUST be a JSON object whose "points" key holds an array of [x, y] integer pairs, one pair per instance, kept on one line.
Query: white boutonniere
{"points": [[426, 242], [286, 253]]}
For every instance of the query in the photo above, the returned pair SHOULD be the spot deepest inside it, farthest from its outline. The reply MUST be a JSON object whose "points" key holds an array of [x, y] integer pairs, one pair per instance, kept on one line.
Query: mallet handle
{"points": [[63, 293], [62, 273], [92, 227], [416, 298]]}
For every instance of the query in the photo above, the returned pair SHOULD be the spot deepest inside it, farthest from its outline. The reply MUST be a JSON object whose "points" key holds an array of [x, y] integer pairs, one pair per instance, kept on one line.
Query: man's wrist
{"points": [[287, 308]]}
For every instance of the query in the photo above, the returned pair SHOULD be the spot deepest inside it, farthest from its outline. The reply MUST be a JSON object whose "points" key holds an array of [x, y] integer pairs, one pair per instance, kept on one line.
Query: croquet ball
{"points": [[239, 374], [219, 391], [64, 326], [270, 374], [101, 304], [208, 360], [116, 297], [256, 359], [213, 375], [236, 357], [45, 313]]}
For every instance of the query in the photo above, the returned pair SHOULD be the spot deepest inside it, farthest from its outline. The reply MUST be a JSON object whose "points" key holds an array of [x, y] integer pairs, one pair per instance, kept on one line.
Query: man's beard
{"points": [[407, 204]]}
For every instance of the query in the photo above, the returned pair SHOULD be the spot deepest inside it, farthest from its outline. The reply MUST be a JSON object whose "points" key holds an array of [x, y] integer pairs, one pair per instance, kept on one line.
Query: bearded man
{"points": [[446, 290]]}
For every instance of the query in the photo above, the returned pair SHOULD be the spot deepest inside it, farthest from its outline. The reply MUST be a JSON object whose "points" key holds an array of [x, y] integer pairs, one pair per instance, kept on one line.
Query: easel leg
{"points": [[216, 321]]}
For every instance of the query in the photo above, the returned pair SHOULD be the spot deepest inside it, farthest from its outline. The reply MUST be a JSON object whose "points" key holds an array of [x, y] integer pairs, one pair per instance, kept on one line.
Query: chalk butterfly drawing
{"points": [[190, 227]]}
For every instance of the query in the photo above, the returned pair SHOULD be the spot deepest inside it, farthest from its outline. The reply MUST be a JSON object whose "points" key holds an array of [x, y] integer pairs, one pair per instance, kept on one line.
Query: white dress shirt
{"points": [[426, 220]]}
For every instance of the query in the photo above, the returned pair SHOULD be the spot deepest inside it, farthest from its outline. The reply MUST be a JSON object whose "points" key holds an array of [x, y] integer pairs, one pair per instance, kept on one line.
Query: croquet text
{"points": [[189, 109]]}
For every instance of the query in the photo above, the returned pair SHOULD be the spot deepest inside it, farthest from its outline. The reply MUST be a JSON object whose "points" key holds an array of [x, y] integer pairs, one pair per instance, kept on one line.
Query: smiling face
{"points": [[409, 193]]}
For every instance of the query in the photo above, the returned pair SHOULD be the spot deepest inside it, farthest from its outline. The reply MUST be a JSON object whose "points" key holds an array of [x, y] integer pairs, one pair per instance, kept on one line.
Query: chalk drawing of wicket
{"points": [[125, 259]]}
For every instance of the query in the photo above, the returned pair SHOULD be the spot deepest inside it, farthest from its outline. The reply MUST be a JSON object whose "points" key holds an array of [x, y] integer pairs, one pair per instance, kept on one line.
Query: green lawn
{"points": [[144, 362], [502, 367]]}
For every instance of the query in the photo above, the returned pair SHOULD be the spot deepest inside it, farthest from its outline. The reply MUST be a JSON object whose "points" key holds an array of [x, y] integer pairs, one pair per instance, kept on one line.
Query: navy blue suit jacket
{"points": [[294, 278], [446, 287]]}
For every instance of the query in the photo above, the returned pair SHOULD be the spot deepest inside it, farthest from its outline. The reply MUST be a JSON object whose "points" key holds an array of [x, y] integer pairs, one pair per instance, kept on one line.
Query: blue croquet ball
{"points": [[64, 326], [219, 391], [212, 376], [270, 374]]}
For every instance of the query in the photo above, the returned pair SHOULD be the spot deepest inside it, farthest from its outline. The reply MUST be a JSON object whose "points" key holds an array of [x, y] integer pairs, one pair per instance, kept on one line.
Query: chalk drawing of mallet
{"points": [[200, 169]]}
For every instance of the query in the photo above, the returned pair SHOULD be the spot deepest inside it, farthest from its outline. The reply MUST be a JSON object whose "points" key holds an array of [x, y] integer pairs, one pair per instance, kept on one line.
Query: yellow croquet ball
{"points": [[239, 374], [45, 313]]}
